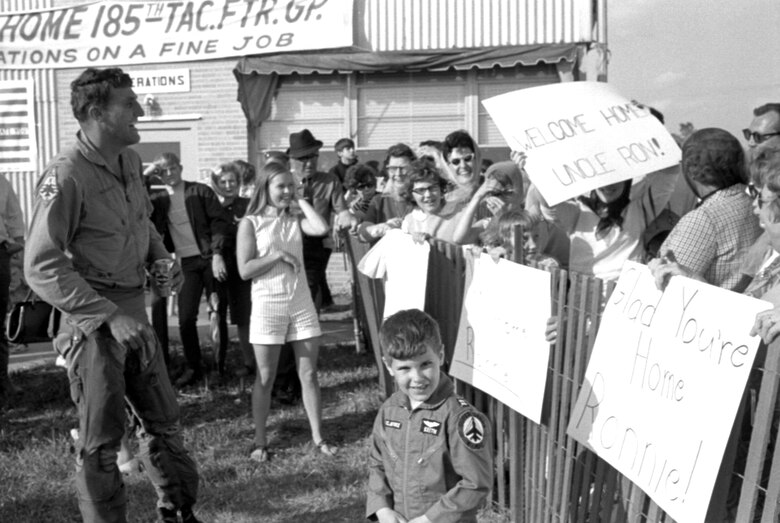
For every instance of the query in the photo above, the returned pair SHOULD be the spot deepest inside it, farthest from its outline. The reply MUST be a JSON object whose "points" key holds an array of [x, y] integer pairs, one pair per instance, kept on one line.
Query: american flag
{"points": [[18, 151]]}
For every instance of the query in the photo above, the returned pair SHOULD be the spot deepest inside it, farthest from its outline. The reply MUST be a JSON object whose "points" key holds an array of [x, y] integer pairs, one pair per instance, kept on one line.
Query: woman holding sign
{"points": [[607, 225]]}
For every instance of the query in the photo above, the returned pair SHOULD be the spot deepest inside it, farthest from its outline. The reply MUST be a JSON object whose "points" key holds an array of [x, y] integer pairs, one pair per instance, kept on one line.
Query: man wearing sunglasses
{"points": [[764, 131]]}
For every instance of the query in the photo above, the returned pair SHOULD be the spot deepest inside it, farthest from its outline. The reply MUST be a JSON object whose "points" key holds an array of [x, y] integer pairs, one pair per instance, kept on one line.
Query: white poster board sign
{"points": [[663, 385], [121, 32], [501, 347], [579, 136], [403, 264]]}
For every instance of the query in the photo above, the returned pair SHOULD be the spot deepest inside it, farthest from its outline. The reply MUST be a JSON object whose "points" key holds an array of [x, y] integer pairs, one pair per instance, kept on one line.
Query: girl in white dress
{"points": [[270, 253]]}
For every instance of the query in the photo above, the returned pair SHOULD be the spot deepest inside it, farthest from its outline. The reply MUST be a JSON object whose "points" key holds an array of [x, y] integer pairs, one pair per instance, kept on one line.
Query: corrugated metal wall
{"points": [[23, 182], [405, 25]]}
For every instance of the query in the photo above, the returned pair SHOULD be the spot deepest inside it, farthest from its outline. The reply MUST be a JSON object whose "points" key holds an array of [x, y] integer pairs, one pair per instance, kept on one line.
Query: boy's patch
{"points": [[49, 189], [429, 426], [471, 429], [463, 403], [392, 424]]}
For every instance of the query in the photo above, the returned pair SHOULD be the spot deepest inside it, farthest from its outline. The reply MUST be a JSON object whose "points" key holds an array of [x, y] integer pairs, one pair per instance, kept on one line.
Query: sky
{"points": [[709, 62]]}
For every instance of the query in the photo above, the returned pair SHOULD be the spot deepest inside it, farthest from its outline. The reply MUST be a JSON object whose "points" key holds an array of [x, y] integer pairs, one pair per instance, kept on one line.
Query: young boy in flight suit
{"points": [[431, 458]]}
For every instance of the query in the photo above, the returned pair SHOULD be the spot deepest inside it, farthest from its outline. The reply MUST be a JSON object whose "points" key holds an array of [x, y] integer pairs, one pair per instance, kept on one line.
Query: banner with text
{"points": [[18, 143], [664, 383], [124, 33], [579, 136], [501, 347]]}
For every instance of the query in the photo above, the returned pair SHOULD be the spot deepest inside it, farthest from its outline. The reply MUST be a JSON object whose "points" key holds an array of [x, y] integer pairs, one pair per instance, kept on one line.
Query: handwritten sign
{"points": [[664, 383], [120, 32], [19, 151], [501, 348], [579, 136]]}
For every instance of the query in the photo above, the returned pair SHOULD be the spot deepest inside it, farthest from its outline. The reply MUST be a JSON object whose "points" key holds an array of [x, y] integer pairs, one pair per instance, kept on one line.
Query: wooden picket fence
{"points": [[543, 475]]}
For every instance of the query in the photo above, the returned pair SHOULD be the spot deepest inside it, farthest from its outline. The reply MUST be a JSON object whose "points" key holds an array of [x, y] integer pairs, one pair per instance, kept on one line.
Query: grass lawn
{"points": [[298, 484]]}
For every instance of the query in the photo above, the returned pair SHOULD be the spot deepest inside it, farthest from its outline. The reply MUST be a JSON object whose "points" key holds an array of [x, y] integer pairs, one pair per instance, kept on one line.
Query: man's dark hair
{"points": [[400, 150], [93, 88], [713, 157], [456, 139], [344, 143], [767, 108], [246, 172]]}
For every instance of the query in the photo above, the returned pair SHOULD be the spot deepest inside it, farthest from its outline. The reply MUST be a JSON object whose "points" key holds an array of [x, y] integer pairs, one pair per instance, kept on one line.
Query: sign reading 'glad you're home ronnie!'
{"points": [[123, 33], [663, 385], [579, 136]]}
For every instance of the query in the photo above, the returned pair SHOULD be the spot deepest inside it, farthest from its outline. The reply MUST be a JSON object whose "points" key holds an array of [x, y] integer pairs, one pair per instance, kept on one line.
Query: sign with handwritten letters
{"points": [[123, 33], [19, 151], [663, 385], [579, 136], [501, 347]]}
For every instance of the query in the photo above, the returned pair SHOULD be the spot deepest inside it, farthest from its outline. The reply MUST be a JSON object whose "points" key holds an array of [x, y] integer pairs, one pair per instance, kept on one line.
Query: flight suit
{"points": [[435, 460], [90, 241]]}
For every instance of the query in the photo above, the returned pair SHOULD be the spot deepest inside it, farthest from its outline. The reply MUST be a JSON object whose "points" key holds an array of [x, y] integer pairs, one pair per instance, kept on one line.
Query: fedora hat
{"points": [[303, 144]]}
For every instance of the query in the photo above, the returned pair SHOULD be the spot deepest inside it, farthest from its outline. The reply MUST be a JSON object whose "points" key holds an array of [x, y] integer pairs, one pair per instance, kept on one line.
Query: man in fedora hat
{"points": [[325, 192]]}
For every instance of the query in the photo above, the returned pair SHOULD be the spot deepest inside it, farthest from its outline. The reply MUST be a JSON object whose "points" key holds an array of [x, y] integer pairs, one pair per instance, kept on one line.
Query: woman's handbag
{"points": [[32, 321]]}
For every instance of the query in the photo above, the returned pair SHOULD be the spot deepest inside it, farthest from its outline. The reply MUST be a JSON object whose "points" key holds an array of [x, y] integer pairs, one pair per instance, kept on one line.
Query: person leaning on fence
{"points": [[387, 210], [90, 243], [431, 456], [431, 216], [712, 241], [498, 239], [360, 189], [501, 191], [270, 253]]}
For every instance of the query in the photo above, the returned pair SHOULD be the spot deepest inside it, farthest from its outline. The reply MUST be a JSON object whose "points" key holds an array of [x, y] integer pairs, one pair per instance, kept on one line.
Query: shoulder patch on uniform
{"points": [[392, 424], [463, 403], [430, 426], [49, 188], [471, 429]]}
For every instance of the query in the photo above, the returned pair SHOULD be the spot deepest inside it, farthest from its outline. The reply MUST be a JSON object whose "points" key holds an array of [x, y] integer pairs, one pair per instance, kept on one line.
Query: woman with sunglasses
{"points": [[712, 241], [430, 218], [360, 186], [462, 162]]}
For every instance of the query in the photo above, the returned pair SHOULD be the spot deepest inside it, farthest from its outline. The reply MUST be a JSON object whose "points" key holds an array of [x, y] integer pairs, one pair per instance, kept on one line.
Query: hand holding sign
{"points": [[580, 136]]}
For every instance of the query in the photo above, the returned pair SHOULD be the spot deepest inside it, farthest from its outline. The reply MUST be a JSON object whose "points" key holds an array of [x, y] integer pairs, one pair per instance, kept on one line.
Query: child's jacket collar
{"points": [[445, 389]]}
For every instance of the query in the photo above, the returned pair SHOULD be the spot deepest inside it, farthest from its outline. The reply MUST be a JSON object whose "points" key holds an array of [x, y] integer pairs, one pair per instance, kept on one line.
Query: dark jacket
{"points": [[210, 222]]}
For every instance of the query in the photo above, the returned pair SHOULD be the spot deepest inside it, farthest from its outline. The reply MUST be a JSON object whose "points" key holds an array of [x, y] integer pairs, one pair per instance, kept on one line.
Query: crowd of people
{"points": [[256, 243]]}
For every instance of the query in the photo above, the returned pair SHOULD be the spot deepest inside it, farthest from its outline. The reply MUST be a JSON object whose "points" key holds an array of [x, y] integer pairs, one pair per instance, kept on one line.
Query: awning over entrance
{"points": [[257, 76]]}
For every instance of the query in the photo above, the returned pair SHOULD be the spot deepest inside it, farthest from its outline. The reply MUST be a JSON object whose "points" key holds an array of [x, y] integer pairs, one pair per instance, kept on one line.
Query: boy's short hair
{"points": [[408, 333], [499, 231], [344, 143]]}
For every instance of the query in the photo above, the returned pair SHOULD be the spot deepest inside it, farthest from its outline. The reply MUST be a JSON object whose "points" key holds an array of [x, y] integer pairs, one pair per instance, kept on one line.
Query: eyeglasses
{"points": [[467, 159], [433, 189], [397, 169], [758, 137], [364, 186]]}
